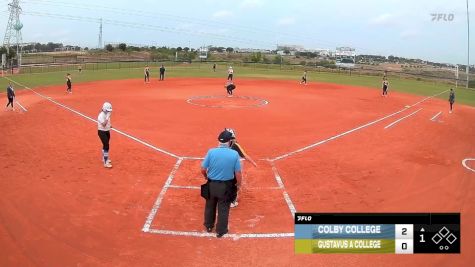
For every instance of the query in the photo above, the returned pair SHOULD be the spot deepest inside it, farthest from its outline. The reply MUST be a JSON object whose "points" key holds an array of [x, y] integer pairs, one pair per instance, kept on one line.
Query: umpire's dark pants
{"points": [[218, 198]]}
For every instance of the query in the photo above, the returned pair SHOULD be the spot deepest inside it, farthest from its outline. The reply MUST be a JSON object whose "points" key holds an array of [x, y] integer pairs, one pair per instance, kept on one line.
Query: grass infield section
{"points": [[463, 96], [322, 246]]}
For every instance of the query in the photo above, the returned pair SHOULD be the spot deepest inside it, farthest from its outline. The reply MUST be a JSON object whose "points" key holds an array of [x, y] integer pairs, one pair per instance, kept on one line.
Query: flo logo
{"points": [[442, 17]]}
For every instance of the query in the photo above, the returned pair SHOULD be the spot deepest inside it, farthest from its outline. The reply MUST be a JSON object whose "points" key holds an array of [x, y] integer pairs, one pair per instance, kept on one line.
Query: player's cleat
{"points": [[107, 165], [450, 111], [109, 161], [209, 229], [220, 235], [234, 204]]}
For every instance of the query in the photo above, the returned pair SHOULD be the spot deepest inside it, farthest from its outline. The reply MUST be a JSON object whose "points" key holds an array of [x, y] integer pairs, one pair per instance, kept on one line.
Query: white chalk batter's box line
{"points": [[147, 228]]}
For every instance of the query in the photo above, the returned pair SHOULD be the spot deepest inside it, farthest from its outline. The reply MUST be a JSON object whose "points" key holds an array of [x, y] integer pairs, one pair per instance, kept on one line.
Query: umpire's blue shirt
{"points": [[221, 163]]}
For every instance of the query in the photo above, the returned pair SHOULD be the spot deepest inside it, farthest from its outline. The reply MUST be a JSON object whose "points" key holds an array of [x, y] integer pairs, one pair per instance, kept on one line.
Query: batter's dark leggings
{"points": [[147, 78], [105, 136], [451, 105], [230, 77], [385, 91], [10, 101]]}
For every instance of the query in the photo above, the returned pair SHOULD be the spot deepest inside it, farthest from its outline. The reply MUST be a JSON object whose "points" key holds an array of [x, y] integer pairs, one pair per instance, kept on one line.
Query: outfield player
{"points": [[304, 78], [162, 73], [451, 99], [68, 84], [230, 87], [103, 130], [147, 74], [385, 87], [10, 96], [230, 73], [234, 145]]}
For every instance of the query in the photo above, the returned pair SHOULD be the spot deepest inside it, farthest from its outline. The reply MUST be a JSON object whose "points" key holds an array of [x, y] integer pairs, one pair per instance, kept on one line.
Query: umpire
{"points": [[219, 167]]}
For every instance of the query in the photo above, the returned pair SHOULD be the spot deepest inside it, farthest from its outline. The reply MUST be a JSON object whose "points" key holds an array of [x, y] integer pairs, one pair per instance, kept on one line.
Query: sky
{"points": [[404, 28]]}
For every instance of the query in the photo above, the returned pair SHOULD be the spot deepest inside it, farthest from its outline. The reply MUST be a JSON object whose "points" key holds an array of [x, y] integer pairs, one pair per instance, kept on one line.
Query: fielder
{"points": [[10, 96], [242, 154], [451, 99], [68, 84], [103, 130], [230, 73], [147, 74], [304, 78], [385, 87], [230, 87]]}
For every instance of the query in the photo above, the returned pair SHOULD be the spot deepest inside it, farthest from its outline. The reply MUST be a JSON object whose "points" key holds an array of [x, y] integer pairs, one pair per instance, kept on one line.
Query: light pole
{"points": [[468, 47]]}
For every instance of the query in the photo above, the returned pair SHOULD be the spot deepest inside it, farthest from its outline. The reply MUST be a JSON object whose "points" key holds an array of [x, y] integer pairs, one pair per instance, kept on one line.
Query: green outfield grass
{"points": [[117, 71]]}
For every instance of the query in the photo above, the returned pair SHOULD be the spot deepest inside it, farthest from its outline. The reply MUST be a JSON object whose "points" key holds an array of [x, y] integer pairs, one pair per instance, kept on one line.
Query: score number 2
{"points": [[301, 218]]}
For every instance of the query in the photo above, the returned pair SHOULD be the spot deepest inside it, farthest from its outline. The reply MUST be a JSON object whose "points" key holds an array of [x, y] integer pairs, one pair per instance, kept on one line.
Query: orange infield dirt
{"points": [[60, 207]]}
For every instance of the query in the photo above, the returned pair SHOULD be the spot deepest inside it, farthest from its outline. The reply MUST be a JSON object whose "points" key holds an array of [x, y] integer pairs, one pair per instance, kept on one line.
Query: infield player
{"points": [[304, 78], [147, 74], [10, 96], [68, 84], [234, 145], [385, 87], [451, 99], [103, 130], [230, 73], [230, 87]]}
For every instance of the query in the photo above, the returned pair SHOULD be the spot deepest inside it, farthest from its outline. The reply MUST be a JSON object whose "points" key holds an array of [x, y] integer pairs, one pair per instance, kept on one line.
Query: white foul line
{"points": [[153, 212], [289, 202], [353, 130], [464, 163], [435, 116], [400, 119], [91, 119], [232, 236], [18, 103]]}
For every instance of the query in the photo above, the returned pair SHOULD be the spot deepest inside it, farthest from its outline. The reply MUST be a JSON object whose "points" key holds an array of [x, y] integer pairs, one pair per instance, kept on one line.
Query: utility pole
{"points": [[468, 47]]}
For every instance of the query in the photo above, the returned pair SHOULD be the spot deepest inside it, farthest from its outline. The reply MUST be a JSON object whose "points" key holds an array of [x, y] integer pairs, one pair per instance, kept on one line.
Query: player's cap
{"points": [[233, 133], [107, 107], [225, 136]]}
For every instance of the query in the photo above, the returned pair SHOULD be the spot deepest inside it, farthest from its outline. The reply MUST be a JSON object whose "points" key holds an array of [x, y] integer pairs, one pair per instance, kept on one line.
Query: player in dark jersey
{"points": [[304, 78], [451, 99], [147, 74], [68, 83], [385, 87], [238, 148], [229, 88]]}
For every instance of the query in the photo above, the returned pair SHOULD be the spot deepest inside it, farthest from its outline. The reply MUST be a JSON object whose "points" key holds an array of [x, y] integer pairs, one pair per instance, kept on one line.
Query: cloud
{"points": [[251, 4], [384, 20], [286, 21], [222, 14]]}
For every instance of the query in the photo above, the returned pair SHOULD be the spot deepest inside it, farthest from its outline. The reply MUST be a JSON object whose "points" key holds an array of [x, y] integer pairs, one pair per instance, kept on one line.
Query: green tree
{"points": [[109, 47], [179, 49], [256, 57], [122, 46], [229, 49], [277, 59]]}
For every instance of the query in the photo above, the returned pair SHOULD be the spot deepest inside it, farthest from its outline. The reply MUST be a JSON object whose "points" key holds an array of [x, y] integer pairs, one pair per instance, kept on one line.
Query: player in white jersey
{"points": [[230, 73], [103, 130]]}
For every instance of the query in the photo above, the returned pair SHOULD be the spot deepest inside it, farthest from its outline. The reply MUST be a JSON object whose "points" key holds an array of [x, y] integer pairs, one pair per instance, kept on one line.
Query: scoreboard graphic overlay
{"points": [[399, 233]]}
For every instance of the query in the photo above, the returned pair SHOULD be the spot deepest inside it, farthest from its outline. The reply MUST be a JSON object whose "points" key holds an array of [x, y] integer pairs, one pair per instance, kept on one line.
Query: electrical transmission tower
{"points": [[14, 27], [100, 35]]}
